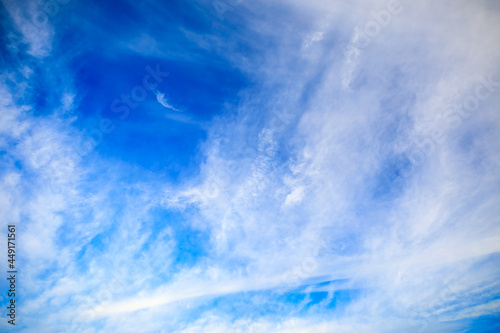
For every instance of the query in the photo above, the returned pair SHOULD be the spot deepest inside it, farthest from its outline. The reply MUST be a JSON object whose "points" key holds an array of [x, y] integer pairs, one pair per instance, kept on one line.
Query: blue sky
{"points": [[248, 166]]}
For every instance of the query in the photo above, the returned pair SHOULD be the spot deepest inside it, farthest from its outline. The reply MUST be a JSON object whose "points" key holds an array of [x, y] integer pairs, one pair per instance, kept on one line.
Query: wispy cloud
{"points": [[310, 201], [163, 101]]}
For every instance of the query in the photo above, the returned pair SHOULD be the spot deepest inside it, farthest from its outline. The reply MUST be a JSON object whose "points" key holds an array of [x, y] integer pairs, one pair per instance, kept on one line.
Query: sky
{"points": [[251, 166]]}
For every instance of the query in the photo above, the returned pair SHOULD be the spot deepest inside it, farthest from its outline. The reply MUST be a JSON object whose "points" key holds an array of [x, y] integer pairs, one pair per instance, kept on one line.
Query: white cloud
{"points": [[290, 189], [340, 146], [163, 101], [34, 24], [295, 196]]}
